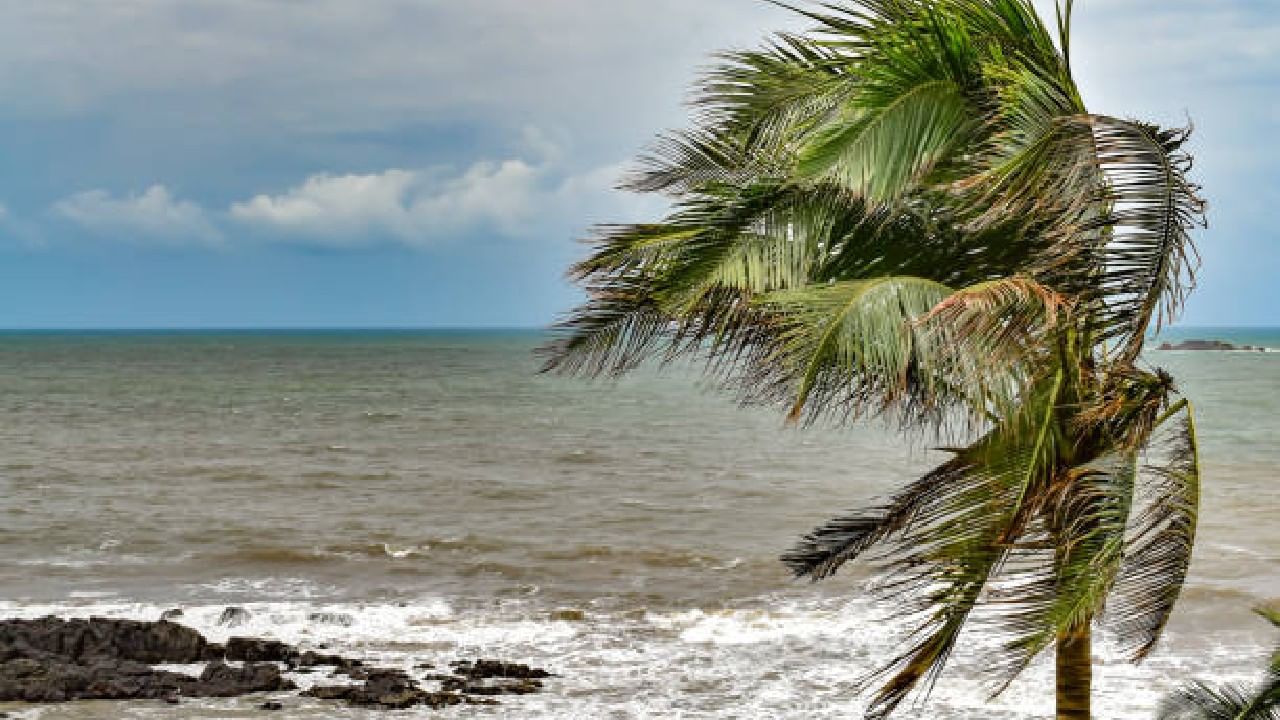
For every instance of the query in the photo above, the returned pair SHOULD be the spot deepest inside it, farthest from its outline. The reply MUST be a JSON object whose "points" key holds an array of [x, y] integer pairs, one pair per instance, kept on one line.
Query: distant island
{"points": [[1208, 345]]}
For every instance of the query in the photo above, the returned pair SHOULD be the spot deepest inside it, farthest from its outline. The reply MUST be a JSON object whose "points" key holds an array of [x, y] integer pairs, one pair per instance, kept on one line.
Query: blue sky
{"points": [[257, 163]]}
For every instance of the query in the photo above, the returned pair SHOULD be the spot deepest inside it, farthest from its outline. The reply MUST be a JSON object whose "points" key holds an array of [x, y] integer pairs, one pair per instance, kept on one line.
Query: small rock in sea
{"points": [[259, 650], [271, 706], [172, 700], [1199, 345], [481, 669], [311, 658], [340, 619], [214, 651], [168, 615], [234, 617], [568, 615], [355, 672], [222, 680]]}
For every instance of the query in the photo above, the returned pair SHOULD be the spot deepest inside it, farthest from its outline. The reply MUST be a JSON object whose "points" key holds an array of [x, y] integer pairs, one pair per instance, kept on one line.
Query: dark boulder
{"points": [[79, 640], [482, 669], [312, 659], [258, 650], [391, 690], [51, 681], [222, 680]]}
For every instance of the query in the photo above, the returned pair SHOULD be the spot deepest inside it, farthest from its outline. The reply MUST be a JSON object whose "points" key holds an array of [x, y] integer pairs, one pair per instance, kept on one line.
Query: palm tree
{"points": [[908, 213], [1203, 702]]}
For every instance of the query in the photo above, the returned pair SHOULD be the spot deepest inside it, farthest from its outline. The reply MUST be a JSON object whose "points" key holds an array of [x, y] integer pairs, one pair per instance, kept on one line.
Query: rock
{"points": [[517, 687], [339, 619], [222, 680], [258, 650], [389, 689], [271, 706], [234, 617], [57, 681], [481, 669], [393, 690], [355, 672], [173, 614], [53, 660], [311, 659], [568, 615], [1199, 345], [80, 640], [494, 677], [214, 651]]}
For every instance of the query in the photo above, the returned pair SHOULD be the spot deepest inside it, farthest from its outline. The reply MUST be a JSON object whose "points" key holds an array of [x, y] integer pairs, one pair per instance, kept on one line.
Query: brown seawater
{"points": [[436, 498]]}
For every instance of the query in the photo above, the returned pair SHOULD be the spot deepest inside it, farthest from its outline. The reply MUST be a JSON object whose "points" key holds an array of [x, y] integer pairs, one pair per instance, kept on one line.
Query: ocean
{"points": [[438, 499]]}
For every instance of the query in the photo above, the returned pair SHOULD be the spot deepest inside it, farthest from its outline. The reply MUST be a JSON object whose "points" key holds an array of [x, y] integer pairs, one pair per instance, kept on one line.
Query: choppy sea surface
{"points": [[437, 498]]}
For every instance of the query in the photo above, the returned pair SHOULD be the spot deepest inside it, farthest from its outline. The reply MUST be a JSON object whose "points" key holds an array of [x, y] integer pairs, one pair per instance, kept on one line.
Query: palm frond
{"points": [[1162, 538], [1087, 512], [822, 553], [851, 345], [1199, 701], [941, 565], [882, 153], [1150, 259]]}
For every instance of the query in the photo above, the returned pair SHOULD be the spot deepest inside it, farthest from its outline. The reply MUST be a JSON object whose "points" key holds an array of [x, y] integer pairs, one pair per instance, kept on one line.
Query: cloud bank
{"points": [[413, 207]]}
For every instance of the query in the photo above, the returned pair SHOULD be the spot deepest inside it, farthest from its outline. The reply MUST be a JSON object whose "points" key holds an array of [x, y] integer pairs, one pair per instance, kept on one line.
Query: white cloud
{"points": [[418, 208], [414, 207], [153, 216]]}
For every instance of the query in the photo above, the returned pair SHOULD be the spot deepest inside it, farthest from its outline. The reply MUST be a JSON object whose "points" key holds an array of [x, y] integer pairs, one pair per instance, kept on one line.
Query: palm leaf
{"points": [[1162, 538]]}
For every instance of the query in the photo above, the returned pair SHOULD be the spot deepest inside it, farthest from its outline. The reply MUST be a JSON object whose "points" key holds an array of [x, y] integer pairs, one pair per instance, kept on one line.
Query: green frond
{"points": [[1150, 258], [951, 538], [882, 153], [684, 161], [1161, 541], [822, 553], [1199, 701], [762, 98], [851, 345], [1086, 518]]}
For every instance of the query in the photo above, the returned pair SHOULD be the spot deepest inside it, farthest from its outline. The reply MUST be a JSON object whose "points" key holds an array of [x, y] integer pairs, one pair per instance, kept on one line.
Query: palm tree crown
{"points": [[909, 213]]}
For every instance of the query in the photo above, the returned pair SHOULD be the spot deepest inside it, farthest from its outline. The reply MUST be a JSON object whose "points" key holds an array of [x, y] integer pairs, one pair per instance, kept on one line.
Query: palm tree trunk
{"points": [[1075, 672]]}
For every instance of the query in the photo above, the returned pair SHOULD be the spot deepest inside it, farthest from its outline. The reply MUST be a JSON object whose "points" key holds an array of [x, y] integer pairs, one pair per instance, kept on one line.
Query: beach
{"points": [[418, 497]]}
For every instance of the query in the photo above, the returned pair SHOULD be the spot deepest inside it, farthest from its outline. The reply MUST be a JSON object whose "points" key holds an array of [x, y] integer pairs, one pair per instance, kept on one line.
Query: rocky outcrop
{"points": [[48, 679], [257, 650], [1208, 345], [53, 660], [81, 641], [393, 690], [222, 680]]}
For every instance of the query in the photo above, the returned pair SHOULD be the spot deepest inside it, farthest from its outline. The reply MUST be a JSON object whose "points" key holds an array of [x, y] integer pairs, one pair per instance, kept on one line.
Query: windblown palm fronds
{"points": [[1199, 701], [908, 213]]}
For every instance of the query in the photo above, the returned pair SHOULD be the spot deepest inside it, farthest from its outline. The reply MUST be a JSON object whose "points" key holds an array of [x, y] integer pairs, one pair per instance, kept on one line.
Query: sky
{"points": [[431, 163]]}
